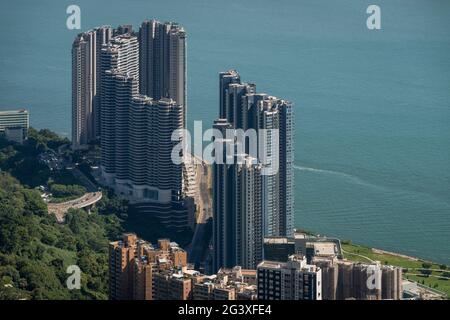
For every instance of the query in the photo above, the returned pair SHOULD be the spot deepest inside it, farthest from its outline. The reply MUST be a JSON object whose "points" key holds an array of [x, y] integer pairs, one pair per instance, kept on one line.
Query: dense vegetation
{"points": [[21, 160], [35, 250], [66, 192]]}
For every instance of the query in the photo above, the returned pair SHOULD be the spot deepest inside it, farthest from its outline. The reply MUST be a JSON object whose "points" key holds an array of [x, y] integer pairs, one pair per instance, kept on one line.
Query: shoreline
{"points": [[397, 254], [373, 249], [380, 251]]}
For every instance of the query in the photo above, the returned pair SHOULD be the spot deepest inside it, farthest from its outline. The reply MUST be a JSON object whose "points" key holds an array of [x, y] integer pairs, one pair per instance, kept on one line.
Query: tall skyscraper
{"points": [[271, 119], [82, 90], [286, 167], [119, 84], [248, 208], [225, 79], [162, 61], [276, 116], [153, 175], [245, 109], [163, 75], [103, 35], [137, 130], [223, 219], [162, 66], [123, 29], [238, 226], [86, 73], [120, 88], [137, 133]]}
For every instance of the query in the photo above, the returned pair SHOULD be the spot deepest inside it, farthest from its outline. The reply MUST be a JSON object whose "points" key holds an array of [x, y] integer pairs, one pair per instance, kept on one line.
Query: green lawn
{"points": [[410, 267]]}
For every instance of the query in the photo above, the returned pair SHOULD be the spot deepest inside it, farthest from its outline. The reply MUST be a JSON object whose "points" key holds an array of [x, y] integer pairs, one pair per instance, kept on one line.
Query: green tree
{"points": [[426, 272]]}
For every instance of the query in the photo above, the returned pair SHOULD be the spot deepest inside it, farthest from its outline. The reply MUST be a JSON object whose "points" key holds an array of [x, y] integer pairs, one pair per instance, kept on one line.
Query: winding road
{"points": [[60, 209]]}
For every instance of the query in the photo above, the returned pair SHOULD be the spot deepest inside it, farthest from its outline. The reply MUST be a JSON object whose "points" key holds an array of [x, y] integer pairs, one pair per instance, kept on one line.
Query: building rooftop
{"points": [[18, 111], [191, 272], [177, 275], [271, 264], [324, 248], [248, 272], [277, 240]]}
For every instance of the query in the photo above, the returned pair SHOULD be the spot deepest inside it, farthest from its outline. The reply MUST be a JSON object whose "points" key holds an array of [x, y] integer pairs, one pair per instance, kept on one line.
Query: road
{"points": [[60, 209], [358, 255], [77, 173], [198, 245]]}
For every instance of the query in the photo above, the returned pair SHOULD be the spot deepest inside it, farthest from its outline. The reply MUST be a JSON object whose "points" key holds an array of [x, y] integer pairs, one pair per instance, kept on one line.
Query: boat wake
{"points": [[347, 176]]}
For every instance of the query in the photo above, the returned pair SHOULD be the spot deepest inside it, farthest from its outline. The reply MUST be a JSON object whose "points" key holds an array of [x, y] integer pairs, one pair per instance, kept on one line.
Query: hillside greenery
{"points": [[62, 192], [21, 160], [35, 250]]}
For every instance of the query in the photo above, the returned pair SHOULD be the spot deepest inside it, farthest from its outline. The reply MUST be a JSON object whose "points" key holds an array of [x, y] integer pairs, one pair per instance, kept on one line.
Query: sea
{"points": [[372, 106]]}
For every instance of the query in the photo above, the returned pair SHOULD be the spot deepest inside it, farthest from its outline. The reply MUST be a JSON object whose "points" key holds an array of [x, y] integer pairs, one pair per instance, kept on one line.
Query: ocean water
{"points": [[372, 107]]}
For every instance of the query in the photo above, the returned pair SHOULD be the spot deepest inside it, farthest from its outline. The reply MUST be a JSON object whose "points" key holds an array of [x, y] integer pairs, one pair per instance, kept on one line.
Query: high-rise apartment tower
{"points": [[86, 73]]}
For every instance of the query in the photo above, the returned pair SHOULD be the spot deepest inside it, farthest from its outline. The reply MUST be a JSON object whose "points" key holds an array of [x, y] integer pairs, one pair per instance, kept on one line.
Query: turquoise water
{"points": [[372, 107]]}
